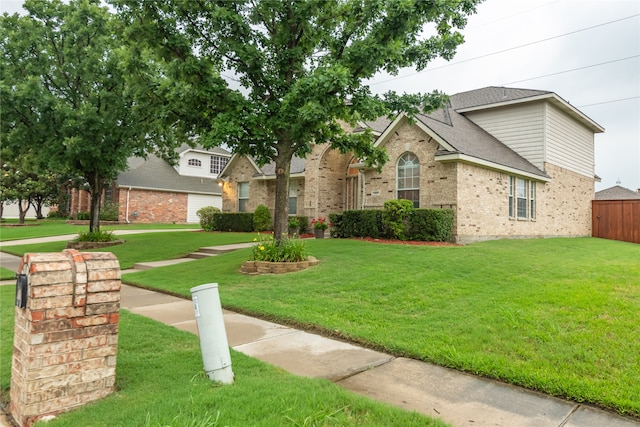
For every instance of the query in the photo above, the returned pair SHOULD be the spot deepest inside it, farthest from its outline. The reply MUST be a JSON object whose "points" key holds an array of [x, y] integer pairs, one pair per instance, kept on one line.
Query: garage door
{"points": [[197, 201]]}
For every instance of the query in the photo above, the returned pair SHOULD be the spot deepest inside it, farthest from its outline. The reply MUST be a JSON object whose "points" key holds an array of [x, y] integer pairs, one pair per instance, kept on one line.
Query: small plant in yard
{"points": [[96, 236], [320, 223], [284, 250]]}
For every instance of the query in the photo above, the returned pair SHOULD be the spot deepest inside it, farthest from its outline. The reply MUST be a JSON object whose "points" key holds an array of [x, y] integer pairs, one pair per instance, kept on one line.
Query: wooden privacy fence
{"points": [[616, 220]]}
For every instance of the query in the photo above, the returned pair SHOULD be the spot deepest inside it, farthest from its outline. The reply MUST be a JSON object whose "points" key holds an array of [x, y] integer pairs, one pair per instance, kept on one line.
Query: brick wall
{"points": [[563, 206], [243, 171], [153, 206], [65, 341], [438, 185]]}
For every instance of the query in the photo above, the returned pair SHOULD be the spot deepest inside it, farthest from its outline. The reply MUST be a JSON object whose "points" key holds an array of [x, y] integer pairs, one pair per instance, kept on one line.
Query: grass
{"points": [[160, 382], [147, 246], [6, 274], [58, 227], [555, 315]]}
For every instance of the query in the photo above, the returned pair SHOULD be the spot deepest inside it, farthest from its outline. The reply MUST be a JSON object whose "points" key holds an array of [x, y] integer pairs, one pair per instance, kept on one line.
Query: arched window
{"points": [[409, 178], [194, 162]]}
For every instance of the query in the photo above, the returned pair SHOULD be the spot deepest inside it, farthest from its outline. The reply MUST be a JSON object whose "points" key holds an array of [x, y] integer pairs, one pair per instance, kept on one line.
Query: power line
{"points": [[505, 50], [571, 70], [608, 102]]}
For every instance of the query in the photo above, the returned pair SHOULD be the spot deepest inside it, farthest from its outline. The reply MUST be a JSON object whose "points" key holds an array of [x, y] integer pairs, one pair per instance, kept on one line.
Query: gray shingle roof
{"points": [[617, 193], [156, 174], [492, 95], [297, 166], [470, 139]]}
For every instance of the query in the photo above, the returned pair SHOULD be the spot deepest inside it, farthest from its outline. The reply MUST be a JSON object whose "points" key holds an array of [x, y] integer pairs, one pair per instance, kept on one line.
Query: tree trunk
{"points": [[281, 214], [97, 185], [23, 207]]}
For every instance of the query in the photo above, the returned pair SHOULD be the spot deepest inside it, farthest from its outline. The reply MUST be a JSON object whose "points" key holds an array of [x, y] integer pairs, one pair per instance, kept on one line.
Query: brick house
{"points": [[511, 163], [151, 190]]}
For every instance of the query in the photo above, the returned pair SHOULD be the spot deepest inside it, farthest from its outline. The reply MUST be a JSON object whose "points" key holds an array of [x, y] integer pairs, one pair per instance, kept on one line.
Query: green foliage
{"points": [[83, 216], [304, 224], [293, 223], [240, 222], [432, 225], [96, 236], [262, 218], [206, 217], [298, 62], [66, 96], [319, 223], [56, 214], [356, 223], [282, 250], [110, 211], [394, 218]]}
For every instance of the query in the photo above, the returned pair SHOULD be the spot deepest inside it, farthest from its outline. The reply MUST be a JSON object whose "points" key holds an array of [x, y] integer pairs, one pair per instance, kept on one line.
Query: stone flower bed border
{"points": [[266, 267], [92, 245]]}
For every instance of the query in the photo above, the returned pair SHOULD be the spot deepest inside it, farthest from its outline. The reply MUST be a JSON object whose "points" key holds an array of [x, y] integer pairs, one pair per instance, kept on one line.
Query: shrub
{"points": [[283, 250], [262, 218], [394, 218], [83, 216], [109, 212], [96, 236], [56, 214], [356, 223], [304, 224], [240, 222], [433, 225], [206, 217]]}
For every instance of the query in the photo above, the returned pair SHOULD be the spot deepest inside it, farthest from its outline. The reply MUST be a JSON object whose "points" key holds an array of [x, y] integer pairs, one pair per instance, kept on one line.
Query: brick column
{"points": [[66, 339]]}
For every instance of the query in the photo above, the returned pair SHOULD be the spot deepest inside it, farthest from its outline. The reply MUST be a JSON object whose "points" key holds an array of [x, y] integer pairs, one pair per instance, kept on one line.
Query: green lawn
{"points": [[147, 246], [49, 227], [160, 382], [556, 315]]}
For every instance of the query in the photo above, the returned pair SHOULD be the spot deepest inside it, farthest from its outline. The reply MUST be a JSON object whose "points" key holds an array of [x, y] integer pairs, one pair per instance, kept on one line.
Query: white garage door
{"points": [[197, 201]]}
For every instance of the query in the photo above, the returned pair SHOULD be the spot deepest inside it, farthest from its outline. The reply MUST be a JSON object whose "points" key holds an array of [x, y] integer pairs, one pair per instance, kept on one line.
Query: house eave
{"points": [[273, 177], [551, 97], [463, 158]]}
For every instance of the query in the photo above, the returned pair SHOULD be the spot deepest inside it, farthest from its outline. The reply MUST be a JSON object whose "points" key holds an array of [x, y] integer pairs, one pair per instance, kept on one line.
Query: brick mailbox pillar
{"points": [[66, 336]]}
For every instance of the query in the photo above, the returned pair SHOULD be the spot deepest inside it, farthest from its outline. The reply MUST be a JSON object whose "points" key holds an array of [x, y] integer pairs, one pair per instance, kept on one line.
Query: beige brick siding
{"points": [[243, 171], [437, 180], [563, 206], [153, 206]]}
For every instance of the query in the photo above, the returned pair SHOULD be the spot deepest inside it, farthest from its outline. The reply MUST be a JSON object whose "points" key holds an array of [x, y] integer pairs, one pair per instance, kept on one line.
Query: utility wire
{"points": [[609, 102], [504, 50], [571, 70]]}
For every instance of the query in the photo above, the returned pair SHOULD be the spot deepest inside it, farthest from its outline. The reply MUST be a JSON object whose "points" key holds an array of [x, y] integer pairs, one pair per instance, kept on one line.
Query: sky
{"points": [[586, 51]]}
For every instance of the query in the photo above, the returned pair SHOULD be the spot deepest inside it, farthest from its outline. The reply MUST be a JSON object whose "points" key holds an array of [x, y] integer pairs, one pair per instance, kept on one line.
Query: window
{"points": [[217, 164], [194, 162], [293, 198], [409, 178], [243, 196], [522, 198]]}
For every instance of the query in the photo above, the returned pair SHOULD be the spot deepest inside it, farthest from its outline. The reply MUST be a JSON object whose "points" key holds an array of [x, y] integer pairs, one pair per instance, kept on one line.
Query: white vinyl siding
{"points": [[197, 201], [569, 144], [519, 127]]}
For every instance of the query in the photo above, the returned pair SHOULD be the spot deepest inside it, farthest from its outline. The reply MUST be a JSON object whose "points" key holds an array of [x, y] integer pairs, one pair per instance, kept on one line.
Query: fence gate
{"points": [[616, 220]]}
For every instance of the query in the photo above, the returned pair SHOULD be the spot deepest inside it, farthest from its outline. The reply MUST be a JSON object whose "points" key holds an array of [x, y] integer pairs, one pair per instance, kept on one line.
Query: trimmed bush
{"points": [[206, 217], [96, 236], [262, 218], [356, 223], [394, 218], [241, 221], [432, 225], [304, 224]]}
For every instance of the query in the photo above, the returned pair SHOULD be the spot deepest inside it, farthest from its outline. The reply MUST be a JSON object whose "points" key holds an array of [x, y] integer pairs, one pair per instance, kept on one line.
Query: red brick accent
{"points": [[66, 339]]}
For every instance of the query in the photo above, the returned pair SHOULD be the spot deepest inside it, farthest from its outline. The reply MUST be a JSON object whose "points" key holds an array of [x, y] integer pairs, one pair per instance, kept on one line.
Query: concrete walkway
{"points": [[458, 398]]}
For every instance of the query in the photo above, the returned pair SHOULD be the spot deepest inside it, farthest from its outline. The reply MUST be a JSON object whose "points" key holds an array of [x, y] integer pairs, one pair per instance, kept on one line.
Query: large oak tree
{"points": [[65, 96], [269, 78]]}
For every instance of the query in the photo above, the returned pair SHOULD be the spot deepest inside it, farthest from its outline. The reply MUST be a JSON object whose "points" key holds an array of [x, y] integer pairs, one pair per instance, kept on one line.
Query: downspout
{"points": [[126, 217], [363, 189]]}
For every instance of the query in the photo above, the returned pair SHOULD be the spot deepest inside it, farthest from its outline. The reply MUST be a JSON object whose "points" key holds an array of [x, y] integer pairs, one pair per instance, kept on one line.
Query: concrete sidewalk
{"points": [[458, 398]]}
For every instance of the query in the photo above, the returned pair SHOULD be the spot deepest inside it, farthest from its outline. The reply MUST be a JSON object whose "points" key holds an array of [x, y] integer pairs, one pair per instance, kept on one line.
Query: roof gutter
{"points": [[463, 158]]}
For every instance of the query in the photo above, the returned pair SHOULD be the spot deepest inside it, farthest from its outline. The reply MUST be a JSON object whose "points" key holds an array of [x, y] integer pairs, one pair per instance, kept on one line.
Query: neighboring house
{"points": [[616, 214], [617, 193], [511, 163], [153, 191]]}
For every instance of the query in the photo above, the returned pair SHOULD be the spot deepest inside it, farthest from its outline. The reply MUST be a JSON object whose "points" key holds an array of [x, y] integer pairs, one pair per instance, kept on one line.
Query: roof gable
{"points": [[617, 193], [154, 173]]}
